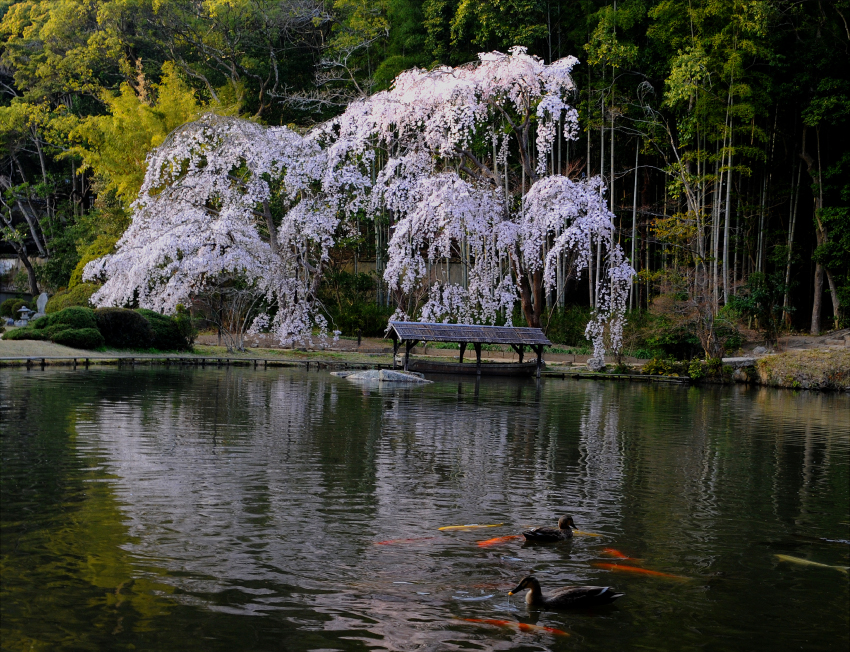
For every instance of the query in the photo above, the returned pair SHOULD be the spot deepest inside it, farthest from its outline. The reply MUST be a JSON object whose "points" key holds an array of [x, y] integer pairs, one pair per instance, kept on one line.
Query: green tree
{"points": [[115, 146]]}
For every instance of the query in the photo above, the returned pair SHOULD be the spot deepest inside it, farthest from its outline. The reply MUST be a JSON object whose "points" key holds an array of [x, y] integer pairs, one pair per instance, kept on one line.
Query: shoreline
{"points": [[812, 369]]}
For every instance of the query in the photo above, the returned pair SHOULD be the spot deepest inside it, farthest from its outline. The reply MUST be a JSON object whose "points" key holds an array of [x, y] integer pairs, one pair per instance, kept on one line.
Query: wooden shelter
{"points": [[412, 333]]}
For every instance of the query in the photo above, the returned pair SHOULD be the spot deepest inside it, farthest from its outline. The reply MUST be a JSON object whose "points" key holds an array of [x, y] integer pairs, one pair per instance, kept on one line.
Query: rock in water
{"points": [[383, 375], [401, 376], [595, 364]]}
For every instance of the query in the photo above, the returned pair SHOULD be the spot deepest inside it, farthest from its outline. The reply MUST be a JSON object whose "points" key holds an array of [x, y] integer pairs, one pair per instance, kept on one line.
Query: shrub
{"points": [[644, 353], [27, 333], [656, 367], [80, 338], [183, 319], [761, 299], [48, 332], [696, 369], [102, 245], [73, 317], [79, 295], [10, 307], [714, 366], [123, 328], [167, 332], [566, 325], [674, 339], [370, 318]]}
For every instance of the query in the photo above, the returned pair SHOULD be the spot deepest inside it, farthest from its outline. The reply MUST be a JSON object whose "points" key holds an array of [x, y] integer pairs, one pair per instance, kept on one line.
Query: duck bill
{"points": [[515, 590]]}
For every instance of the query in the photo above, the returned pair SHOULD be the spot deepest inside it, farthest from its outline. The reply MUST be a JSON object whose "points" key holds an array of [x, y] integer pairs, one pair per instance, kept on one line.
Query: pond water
{"points": [[236, 509]]}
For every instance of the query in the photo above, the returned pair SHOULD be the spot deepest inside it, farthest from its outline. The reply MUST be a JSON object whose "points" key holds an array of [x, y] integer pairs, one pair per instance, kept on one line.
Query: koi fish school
{"points": [[523, 627], [634, 569]]}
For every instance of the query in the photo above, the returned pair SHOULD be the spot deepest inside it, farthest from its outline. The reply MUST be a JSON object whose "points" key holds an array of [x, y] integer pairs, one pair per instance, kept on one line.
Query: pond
{"points": [[236, 509]]}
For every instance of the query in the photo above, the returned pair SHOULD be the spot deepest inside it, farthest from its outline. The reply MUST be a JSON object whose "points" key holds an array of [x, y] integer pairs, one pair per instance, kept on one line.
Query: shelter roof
{"points": [[470, 333]]}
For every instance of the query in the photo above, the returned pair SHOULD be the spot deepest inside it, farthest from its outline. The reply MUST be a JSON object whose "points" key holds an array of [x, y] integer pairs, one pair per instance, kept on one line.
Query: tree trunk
{"points": [[22, 254], [815, 329], [818, 197], [833, 294], [634, 225], [792, 224], [527, 293], [726, 221]]}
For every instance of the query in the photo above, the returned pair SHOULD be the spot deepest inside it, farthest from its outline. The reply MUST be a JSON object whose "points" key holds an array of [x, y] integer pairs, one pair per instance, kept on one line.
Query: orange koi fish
{"points": [[498, 540], [523, 627], [634, 569], [392, 541], [616, 553], [470, 526]]}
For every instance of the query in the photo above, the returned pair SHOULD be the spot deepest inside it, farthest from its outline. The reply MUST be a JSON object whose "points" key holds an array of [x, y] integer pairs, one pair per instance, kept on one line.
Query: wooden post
{"points": [[395, 346], [477, 358], [539, 349], [408, 345], [462, 351]]}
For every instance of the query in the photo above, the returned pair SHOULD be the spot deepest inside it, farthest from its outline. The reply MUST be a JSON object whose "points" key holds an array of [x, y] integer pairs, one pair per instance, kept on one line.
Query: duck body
{"points": [[550, 534], [574, 597]]}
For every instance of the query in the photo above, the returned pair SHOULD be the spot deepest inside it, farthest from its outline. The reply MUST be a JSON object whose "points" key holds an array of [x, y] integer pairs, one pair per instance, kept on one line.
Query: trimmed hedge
{"points": [[74, 317], [167, 332], [26, 333], [122, 328], [80, 338], [10, 307], [77, 296]]}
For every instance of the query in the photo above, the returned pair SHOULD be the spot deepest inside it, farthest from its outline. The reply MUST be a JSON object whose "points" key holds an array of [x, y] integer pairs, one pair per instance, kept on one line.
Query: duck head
{"points": [[566, 522], [528, 582]]}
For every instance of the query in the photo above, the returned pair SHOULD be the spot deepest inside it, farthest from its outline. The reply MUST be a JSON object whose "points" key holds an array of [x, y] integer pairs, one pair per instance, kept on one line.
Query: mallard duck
{"points": [[551, 534], [566, 598]]}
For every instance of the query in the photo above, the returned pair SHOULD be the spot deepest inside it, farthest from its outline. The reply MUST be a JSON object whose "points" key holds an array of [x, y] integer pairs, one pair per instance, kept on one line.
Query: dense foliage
{"points": [[718, 129], [124, 328], [86, 328], [78, 295], [169, 333]]}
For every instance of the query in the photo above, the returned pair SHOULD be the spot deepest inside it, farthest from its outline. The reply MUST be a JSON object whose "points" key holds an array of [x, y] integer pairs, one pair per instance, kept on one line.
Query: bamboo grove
{"points": [[720, 128]]}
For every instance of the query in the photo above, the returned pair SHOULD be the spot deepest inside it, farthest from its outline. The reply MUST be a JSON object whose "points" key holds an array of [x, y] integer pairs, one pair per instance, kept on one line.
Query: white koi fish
{"points": [[806, 562]]}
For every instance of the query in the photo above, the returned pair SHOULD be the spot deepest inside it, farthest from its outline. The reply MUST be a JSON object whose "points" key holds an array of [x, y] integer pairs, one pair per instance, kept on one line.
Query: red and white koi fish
{"points": [[523, 627], [497, 540], [635, 569], [389, 542]]}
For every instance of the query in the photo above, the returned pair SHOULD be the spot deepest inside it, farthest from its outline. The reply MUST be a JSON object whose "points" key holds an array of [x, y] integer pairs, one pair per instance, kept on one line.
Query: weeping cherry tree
{"points": [[461, 159]]}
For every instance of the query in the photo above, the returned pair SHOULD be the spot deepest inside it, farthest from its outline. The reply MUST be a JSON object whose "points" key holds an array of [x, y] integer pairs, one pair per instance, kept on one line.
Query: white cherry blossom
{"points": [[459, 159]]}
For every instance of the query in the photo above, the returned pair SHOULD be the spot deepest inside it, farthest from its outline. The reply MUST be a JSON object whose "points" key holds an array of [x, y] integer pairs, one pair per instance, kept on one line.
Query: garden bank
{"points": [[812, 369]]}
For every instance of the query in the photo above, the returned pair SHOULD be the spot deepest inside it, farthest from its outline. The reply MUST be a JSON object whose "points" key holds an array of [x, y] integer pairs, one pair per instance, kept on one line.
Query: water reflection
{"points": [[245, 501]]}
